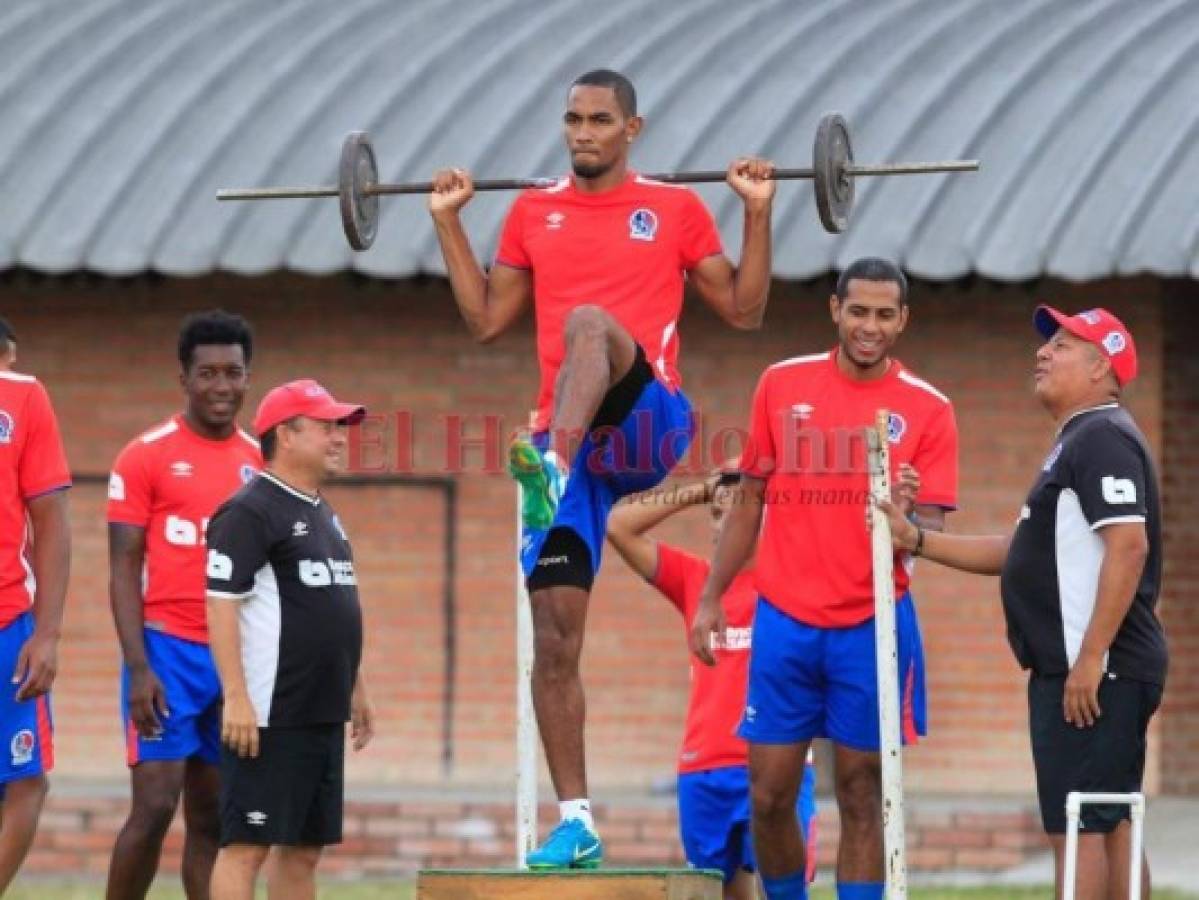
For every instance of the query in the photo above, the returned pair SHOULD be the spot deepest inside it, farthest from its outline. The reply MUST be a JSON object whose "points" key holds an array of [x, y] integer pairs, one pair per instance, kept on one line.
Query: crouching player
{"points": [[713, 786]]}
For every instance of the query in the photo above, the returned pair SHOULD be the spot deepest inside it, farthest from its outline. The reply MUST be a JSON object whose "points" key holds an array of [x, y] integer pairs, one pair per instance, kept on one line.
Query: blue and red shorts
{"points": [[193, 697], [642, 430], [714, 819], [26, 726], [807, 682]]}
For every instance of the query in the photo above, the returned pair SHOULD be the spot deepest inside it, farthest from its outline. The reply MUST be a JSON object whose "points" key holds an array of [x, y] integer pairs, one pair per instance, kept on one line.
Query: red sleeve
{"points": [[130, 494], [680, 577], [512, 251], [699, 236], [936, 460], [43, 466], [758, 458]]}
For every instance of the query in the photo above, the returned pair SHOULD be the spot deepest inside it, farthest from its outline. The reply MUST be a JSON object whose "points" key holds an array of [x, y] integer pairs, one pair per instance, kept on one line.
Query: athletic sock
{"points": [[860, 890], [577, 809], [789, 887]]}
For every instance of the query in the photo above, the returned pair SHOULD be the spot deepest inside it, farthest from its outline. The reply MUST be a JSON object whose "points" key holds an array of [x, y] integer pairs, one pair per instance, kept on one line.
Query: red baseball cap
{"points": [[1100, 328], [303, 398]]}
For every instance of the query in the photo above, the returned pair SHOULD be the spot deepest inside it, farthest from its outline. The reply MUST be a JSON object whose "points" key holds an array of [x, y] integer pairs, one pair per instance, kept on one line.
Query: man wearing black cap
{"points": [[1080, 577], [285, 629]]}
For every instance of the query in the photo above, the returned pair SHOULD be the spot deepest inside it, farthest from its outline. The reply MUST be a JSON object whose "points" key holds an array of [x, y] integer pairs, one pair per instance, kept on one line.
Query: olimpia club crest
{"points": [[643, 224]]}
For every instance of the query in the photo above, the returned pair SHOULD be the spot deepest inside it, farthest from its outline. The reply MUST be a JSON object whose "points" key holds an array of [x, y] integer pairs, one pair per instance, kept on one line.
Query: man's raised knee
{"points": [[586, 321]]}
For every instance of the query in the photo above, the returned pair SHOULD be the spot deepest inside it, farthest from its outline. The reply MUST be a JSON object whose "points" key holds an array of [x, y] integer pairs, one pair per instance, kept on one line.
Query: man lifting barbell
{"points": [[601, 256]]}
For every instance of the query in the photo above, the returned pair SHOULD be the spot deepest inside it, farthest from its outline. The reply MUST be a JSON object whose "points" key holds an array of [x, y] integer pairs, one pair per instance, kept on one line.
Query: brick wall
{"points": [[105, 348], [394, 836], [1180, 603]]}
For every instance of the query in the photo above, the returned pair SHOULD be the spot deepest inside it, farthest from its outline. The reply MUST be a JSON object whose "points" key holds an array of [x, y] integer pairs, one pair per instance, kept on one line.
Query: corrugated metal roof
{"points": [[119, 120]]}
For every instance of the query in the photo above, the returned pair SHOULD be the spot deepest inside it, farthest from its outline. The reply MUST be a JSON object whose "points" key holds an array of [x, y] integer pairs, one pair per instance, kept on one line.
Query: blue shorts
{"points": [[807, 682], [613, 462], [193, 696], [714, 819], [26, 727]]}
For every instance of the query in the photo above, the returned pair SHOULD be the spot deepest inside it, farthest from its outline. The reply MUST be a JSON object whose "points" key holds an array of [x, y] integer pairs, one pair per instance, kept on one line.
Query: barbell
{"points": [[832, 173]]}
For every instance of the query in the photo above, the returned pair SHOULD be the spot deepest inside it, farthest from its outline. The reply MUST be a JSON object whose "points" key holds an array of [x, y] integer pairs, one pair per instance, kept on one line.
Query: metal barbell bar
{"points": [[833, 172]]}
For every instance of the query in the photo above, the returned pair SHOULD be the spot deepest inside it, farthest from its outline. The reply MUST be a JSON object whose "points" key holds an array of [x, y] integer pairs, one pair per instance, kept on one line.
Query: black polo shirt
{"points": [[282, 554], [1100, 472]]}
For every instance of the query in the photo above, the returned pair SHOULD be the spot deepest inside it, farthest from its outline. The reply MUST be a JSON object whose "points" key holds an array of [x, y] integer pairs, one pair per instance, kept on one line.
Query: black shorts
{"points": [[1109, 756], [291, 793]]}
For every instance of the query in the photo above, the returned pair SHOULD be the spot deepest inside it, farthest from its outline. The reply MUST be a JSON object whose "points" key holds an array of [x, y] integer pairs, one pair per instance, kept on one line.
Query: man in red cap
{"points": [[1080, 576], [285, 628]]}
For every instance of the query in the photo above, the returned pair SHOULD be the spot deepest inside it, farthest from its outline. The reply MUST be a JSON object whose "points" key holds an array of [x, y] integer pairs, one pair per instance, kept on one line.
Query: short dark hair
{"points": [[268, 443], [873, 268], [215, 326], [6, 332], [626, 96]]}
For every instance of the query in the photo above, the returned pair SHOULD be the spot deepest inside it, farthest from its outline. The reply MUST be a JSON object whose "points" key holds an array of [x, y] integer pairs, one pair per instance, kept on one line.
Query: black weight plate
{"points": [[359, 210], [831, 154]]}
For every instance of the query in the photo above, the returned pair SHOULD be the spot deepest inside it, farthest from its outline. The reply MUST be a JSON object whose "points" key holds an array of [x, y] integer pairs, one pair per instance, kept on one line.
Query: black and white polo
{"points": [[1100, 472], [283, 555]]}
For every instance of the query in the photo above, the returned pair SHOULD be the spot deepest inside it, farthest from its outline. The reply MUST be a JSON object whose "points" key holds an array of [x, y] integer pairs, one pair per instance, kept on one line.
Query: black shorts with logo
{"points": [[291, 793], [1108, 756]]}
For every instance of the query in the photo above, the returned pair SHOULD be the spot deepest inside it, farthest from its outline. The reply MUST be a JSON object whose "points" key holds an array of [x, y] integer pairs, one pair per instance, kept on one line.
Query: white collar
{"points": [[1078, 412], [283, 485]]}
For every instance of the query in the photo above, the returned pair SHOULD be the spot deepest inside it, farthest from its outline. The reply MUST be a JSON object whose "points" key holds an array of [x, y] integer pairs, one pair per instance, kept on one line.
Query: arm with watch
{"points": [[978, 554]]}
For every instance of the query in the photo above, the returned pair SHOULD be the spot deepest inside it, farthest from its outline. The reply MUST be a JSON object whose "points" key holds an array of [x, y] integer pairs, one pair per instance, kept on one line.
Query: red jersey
{"points": [[807, 439], [717, 692], [32, 463], [170, 481], [626, 250]]}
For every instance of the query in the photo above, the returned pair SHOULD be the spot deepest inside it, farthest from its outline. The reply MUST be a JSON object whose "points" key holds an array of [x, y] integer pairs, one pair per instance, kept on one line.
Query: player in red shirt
{"points": [[164, 487], [602, 257], [713, 783], [812, 670], [35, 558]]}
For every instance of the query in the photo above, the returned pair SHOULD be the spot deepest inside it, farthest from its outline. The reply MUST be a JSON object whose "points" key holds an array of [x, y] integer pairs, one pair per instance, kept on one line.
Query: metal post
{"points": [[526, 724], [1073, 811], [1136, 808], [883, 556]]}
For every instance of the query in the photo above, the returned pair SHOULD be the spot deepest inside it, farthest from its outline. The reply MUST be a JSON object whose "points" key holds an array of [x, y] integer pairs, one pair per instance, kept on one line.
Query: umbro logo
{"points": [[299, 529], [181, 469], [256, 818]]}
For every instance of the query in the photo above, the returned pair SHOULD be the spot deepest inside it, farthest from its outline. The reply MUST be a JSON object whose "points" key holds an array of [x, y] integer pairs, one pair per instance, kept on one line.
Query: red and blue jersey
{"points": [[807, 440], [717, 692], [626, 250], [32, 463], [169, 482]]}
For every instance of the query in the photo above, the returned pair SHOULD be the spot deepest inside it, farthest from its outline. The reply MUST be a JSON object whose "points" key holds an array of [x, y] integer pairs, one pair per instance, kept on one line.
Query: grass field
{"points": [[39, 890]]}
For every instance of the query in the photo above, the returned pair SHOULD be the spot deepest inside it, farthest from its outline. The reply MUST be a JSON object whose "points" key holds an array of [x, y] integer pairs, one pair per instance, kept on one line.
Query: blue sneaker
{"points": [[572, 845], [541, 481]]}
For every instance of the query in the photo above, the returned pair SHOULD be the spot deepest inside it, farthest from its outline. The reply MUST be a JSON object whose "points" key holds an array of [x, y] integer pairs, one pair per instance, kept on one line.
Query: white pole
{"points": [[526, 724], [883, 557], [1136, 808], [1073, 810]]}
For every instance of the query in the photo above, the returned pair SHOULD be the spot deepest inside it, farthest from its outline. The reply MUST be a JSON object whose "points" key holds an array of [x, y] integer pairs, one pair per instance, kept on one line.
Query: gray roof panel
{"points": [[122, 118]]}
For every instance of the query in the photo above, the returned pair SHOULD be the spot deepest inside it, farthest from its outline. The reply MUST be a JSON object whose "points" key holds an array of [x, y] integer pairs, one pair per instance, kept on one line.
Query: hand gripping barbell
{"points": [[832, 173]]}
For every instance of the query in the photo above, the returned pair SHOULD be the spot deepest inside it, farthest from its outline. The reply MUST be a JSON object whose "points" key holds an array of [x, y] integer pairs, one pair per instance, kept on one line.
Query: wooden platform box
{"points": [[593, 884]]}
